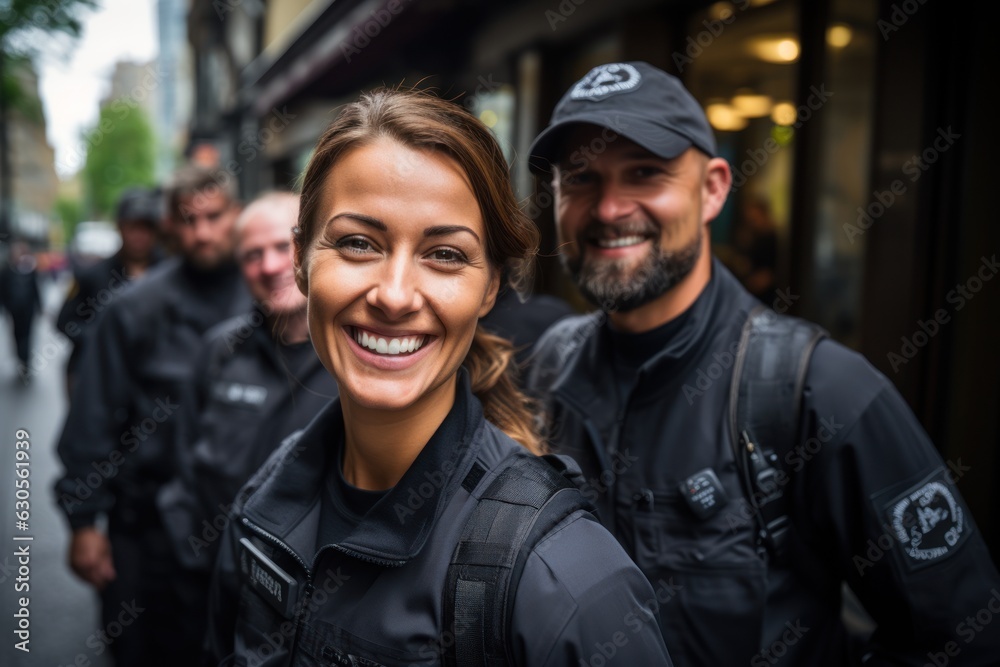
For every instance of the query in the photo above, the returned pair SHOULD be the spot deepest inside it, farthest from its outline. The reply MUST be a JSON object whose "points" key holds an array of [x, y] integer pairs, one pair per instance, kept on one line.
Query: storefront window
{"points": [[740, 63], [844, 192]]}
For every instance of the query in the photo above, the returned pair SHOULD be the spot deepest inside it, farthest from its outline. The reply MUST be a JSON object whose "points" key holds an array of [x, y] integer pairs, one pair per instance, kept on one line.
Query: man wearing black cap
{"points": [[140, 212], [117, 442], [755, 500]]}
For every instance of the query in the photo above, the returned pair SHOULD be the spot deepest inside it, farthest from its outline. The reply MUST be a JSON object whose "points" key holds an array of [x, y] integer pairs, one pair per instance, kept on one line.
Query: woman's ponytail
{"points": [[493, 378]]}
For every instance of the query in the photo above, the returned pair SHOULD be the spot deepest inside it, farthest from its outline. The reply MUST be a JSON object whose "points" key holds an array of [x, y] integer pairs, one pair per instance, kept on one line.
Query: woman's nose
{"points": [[397, 293]]}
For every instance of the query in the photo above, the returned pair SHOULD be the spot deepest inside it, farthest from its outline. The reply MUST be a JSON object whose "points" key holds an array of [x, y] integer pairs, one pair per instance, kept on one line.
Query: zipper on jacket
{"points": [[382, 562]]}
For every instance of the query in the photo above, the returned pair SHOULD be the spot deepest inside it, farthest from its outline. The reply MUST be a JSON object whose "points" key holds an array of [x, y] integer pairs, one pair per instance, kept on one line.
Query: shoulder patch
{"points": [[928, 520]]}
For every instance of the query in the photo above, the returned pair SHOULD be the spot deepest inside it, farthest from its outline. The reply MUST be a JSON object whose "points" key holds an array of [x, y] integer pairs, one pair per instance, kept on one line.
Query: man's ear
{"points": [[297, 262], [715, 188], [490, 298]]}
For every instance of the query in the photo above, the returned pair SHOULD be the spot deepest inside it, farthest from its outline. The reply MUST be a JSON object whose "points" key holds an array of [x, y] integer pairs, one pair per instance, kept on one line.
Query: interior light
{"points": [[839, 35], [784, 113], [750, 105], [788, 49], [721, 11], [489, 117], [774, 48], [725, 118]]}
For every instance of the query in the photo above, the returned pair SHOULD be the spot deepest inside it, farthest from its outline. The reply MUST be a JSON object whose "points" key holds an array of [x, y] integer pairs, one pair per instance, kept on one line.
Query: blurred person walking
{"points": [[117, 442], [139, 215], [257, 379], [19, 294]]}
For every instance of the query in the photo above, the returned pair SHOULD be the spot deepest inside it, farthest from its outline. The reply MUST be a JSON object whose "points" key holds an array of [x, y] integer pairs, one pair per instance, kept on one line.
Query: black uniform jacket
{"points": [[116, 442], [524, 322], [244, 400], [870, 499], [375, 597], [94, 288]]}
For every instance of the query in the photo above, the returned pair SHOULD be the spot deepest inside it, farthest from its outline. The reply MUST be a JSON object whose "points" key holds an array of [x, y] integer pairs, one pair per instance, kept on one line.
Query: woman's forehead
{"points": [[401, 186]]}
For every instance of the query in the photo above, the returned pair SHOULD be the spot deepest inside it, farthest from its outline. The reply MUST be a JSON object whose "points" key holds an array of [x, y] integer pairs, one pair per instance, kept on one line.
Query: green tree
{"points": [[121, 153], [69, 210], [21, 23]]}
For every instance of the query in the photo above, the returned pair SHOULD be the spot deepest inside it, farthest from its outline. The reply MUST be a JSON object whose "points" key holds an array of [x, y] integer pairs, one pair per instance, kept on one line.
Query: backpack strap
{"points": [[522, 504], [765, 404]]}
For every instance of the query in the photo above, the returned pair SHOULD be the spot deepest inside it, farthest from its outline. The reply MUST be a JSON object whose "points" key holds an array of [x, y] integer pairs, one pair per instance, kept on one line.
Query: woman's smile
{"points": [[387, 343], [387, 352]]}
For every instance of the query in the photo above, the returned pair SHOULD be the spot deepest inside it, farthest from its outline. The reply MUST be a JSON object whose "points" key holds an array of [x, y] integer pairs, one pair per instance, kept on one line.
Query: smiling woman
{"points": [[348, 537]]}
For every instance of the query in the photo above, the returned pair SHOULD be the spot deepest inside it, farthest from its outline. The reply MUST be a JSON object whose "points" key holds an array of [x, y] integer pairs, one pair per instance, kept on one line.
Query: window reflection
{"points": [[745, 77]]}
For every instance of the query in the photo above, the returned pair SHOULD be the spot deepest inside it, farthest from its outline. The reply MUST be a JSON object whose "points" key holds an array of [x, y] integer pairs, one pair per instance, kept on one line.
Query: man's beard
{"points": [[612, 286]]}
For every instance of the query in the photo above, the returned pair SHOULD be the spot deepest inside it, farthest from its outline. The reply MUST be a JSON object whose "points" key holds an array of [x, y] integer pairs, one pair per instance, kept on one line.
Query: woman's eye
{"points": [[448, 256], [355, 244], [646, 172]]}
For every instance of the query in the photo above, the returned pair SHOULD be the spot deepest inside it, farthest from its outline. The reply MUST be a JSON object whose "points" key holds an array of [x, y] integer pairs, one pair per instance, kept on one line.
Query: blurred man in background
{"points": [[139, 214], [20, 296], [117, 442], [257, 380]]}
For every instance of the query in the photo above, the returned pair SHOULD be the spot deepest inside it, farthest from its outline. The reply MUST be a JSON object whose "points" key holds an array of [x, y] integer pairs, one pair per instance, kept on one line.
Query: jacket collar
{"points": [[397, 527], [588, 372]]}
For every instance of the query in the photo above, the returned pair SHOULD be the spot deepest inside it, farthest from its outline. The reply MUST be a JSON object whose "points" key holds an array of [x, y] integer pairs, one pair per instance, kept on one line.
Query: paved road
{"points": [[64, 618]]}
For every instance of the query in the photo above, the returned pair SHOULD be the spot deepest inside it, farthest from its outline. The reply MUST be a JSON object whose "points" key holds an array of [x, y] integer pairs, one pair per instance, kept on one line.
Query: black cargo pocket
{"points": [[711, 601]]}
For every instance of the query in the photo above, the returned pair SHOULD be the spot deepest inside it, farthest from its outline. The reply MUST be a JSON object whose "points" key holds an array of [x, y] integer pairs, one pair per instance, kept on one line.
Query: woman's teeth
{"points": [[620, 242], [388, 346]]}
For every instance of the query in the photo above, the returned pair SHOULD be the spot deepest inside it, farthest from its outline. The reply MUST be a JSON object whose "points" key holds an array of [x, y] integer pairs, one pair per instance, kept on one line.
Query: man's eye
{"points": [[647, 172], [577, 179]]}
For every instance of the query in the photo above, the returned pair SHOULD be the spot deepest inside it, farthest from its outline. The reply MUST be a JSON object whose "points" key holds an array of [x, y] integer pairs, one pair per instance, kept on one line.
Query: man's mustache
{"points": [[596, 229]]}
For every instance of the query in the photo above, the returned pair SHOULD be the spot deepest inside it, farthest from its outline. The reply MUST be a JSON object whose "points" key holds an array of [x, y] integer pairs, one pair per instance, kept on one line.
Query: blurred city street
{"points": [[64, 610]]}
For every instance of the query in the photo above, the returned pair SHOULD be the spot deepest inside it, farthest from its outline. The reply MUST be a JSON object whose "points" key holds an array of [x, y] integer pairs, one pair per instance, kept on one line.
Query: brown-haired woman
{"points": [[341, 547]]}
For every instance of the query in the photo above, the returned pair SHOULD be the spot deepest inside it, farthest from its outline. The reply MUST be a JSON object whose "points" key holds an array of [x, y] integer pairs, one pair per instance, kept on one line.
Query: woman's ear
{"points": [[297, 261], [490, 298]]}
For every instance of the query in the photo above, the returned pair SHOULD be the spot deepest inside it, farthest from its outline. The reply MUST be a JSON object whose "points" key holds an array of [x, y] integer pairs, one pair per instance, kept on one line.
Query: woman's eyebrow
{"points": [[444, 230], [363, 219]]}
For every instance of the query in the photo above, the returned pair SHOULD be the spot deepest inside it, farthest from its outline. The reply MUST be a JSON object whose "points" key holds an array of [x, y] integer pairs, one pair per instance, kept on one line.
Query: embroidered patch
{"points": [[606, 80], [928, 521]]}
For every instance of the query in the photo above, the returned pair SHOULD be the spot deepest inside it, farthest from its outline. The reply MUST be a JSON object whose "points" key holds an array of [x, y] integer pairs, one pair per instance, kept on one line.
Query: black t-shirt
{"points": [[629, 351], [342, 505]]}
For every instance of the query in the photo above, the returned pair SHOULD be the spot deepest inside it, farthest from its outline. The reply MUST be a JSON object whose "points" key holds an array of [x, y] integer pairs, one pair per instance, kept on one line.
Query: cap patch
{"points": [[928, 520], [606, 80]]}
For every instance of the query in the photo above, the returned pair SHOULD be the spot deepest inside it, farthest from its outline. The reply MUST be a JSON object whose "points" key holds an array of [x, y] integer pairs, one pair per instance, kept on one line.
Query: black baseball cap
{"points": [[140, 205], [635, 100]]}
